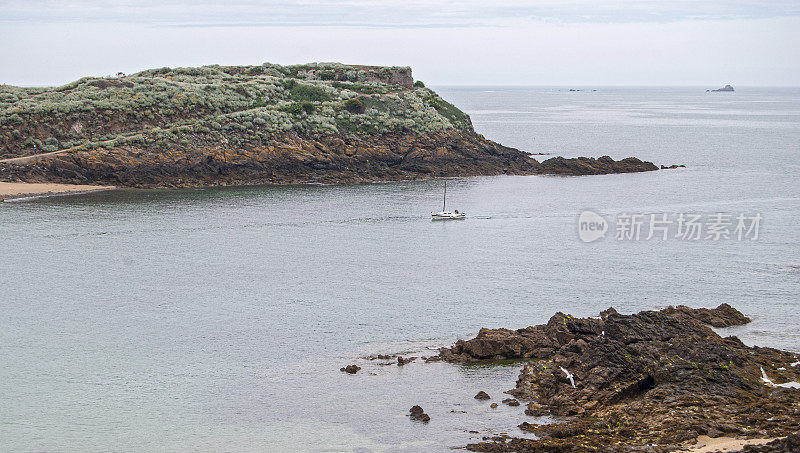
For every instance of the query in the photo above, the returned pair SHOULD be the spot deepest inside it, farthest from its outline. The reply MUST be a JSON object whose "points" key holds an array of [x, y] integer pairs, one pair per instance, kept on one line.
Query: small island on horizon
{"points": [[264, 124], [726, 88]]}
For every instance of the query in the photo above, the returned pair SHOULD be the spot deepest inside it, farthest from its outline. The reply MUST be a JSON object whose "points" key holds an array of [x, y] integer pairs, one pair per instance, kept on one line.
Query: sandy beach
{"points": [[13, 190], [707, 444]]}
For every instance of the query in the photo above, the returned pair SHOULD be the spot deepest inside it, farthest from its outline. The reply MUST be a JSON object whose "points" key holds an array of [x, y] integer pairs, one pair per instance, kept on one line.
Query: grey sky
{"points": [[546, 42]]}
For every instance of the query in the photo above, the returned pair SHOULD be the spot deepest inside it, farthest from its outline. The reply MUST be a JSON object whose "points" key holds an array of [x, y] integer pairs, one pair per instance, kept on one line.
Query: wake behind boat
{"points": [[444, 214]]}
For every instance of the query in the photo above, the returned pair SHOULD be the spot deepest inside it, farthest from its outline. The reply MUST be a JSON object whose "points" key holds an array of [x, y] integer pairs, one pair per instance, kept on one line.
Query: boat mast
{"points": [[444, 200]]}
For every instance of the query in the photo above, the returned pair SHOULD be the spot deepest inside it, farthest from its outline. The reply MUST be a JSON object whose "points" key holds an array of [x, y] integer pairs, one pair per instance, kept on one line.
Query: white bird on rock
{"points": [[765, 378], [768, 381], [569, 376]]}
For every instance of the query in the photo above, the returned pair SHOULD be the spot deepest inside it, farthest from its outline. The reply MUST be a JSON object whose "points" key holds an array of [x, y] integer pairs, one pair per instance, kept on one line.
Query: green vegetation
{"points": [[326, 75], [166, 108], [297, 108], [419, 84], [354, 105], [447, 110]]}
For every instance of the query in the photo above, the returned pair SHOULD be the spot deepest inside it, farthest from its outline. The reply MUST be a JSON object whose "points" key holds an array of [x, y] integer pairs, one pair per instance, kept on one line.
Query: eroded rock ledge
{"points": [[296, 158], [644, 382]]}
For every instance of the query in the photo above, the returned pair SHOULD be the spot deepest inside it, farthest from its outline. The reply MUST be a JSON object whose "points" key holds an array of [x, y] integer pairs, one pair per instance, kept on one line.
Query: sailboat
{"points": [[445, 214]]}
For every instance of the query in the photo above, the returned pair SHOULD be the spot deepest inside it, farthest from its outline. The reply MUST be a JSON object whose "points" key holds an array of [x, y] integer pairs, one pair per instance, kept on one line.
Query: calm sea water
{"points": [[217, 319]]}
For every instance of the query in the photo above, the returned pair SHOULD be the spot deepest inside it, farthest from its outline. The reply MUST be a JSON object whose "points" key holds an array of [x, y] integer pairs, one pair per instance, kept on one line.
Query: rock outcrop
{"points": [[401, 361], [482, 396], [722, 316], [418, 414], [589, 166], [350, 369], [632, 381], [541, 342]]}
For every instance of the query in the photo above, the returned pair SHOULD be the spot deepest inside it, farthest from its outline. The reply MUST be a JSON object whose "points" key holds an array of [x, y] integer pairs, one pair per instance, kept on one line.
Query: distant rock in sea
{"points": [[725, 88]]}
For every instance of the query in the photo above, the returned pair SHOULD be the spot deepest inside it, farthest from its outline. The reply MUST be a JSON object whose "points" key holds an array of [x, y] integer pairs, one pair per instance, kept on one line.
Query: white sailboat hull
{"points": [[447, 215]]}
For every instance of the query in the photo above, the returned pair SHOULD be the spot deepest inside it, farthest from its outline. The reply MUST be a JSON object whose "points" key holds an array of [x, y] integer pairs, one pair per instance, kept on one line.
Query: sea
{"points": [[217, 319]]}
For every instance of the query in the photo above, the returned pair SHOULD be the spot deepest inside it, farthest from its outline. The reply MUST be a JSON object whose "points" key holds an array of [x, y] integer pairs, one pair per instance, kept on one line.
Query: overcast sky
{"points": [[446, 42]]}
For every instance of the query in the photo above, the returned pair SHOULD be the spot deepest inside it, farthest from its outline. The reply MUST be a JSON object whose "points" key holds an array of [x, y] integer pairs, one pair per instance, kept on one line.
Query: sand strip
{"points": [[12, 190], [707, 444]]}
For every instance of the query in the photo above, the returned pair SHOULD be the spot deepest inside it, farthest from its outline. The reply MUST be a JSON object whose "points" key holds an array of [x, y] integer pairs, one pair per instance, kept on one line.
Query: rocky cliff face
{"points": [[253, 124], [287, 158]]}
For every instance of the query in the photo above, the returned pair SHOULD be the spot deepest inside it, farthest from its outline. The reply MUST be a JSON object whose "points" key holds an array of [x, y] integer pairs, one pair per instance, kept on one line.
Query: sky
{"points": [[578, 43]]}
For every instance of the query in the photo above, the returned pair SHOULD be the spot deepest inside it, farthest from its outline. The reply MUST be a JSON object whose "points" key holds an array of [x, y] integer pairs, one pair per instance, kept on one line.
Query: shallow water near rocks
{"points": [[218, 319]]}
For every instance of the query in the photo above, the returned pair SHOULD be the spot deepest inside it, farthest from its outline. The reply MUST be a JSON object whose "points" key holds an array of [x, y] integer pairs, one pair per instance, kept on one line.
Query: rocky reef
{"points": [[266, 124], [649, 382], [589, 166]]}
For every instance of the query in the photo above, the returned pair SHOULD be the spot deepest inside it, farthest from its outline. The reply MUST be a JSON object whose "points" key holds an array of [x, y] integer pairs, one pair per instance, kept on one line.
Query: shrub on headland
{"points": [[354, 105], [297, 108]]}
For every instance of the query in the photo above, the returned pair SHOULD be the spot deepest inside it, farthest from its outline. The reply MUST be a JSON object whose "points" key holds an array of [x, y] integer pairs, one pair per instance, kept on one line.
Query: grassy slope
{"points": [[163, 108]]}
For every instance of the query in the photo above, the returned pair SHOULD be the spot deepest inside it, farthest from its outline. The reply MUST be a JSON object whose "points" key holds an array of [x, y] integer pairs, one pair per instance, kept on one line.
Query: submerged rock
{"points": [[511, 402], [482, 396], [403, 361], [636, 380], [351, 369], [418, 414]]}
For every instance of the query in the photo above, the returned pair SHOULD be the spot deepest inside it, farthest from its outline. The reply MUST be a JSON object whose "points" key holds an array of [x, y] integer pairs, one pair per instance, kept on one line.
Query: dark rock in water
{"points": [[789, 444], [493, 405], [351, 369], [482, 396], [656, 377], [591, 166], [671, 167], [511, 402], [419, 415], [402, 361], [722, 316]]}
